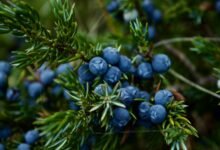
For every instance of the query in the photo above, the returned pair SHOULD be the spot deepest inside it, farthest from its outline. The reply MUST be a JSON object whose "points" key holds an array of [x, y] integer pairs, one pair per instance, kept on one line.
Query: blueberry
{"points": [[111, 55], [31, 136], [35, 89], [12, 94], [128, 94], [163, 97], [143, 95], [5, 132], [151, 32], [84, 73], [113, 75], [98, 66], [217, 6], [130, 15], [24, 146], [103, 89], [157, 114], [5, 67], [161, 63], [148, 7], [124, 63], [64, 68], [47, 77], [42, 68], [73, 106], [121, 117], [145, 70], [3, 80], [157, 16], [113, 6], [2, 147], [144, 110]]}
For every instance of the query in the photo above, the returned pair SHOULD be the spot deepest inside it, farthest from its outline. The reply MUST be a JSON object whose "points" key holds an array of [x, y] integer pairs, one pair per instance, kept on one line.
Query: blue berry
{"points": [[151, 32], [47, 77], [145, 70], [144, 110], [125, 84], [5, 132], [84, 73], [64, 68], [113, 6], [121, 117], [113, 75], [157, 114], [161, 63], [148, 7], [98, 66], [24, 146], [5, 67], [73, 106], [128, 94], [42, 68], [2, 147], [103, 89], [163, 97], [157, 16], [217, 6], [111, 55], [143, 95], [35, 89], [31, 136], [130, 15], [12, 94], [124, 63], [3, 80]]}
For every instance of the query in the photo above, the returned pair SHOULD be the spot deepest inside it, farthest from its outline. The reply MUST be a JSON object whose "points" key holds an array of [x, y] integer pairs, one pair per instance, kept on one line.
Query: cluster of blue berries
{"points": [[154, 15], [30, 138], [110, 68]]}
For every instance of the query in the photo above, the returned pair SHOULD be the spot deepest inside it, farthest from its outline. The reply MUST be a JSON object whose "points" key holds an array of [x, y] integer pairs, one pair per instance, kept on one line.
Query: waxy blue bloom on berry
{"points": [[103, 89], [98, 66], [163, 97], [161, 63], [121, 117], [5, 67], [113, 6], [111, 55], [124, 64], [143, 95], [35, 89], [64, 68], [157, 16], [84, 73], [12, 94], [31, 136], [144, 110], [47, 76], [145, 70], [128, 94], [24, 146], [151, 32], [157, 114], [113, 75]]}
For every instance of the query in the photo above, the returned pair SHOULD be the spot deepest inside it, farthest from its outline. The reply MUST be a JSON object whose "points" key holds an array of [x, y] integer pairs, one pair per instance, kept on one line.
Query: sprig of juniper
{"points": [[176, 128]]}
